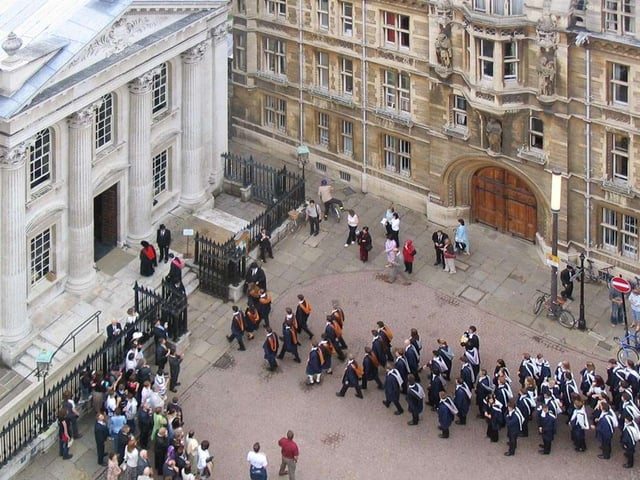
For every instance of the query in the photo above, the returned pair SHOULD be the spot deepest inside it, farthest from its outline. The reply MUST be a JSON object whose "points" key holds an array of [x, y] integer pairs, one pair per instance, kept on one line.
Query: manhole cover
{"points": [[446, 299], [605, 346], [333, 439], [348, 191], [224, 362]]}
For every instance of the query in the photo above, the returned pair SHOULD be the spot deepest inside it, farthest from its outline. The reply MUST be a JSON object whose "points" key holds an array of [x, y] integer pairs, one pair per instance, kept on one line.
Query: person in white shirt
{"points": [[352, 222], [257, 463], [203, 458]]}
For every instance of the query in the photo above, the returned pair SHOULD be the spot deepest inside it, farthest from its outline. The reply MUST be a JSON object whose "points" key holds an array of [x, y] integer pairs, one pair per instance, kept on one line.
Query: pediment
{"points": [[127, 30]]}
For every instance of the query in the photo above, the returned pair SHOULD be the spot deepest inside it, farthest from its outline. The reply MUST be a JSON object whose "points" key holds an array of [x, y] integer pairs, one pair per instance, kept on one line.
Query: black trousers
{"points": [[629, 454], [606, 449], [346, 386], [265, 249], [314, 225], [164, 252], [101, 452], [567, 291], [396, 404], [374, 379], [513, 443], [546, 446], [439, 257]]}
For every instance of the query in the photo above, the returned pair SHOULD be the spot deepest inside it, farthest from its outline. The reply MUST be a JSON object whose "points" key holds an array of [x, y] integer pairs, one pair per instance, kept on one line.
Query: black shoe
{"points": [[508, 454], [398, 412], [68, 456], [626, 465], [542, 452], [580, 449], [338, 394], [541, 445], [412, 423], [603, 457], [459, 422], [178, 384], [176, 391], [359, 395], [437, 263], [386, 404], [364, 387], [297, 360], [242, 349], [442, 435], [229, 339]]}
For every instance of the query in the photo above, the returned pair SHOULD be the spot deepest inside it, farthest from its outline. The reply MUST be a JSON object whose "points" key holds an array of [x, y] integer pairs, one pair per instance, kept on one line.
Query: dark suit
{"points": [[438, 243], [256, 275], [113, 331], [163, 239], [102, 434]]}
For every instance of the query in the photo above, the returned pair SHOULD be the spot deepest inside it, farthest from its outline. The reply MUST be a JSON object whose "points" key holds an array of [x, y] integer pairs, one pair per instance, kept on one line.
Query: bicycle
{"points": [[554, 309], [629, 348], [593, 275], [334, 211]]}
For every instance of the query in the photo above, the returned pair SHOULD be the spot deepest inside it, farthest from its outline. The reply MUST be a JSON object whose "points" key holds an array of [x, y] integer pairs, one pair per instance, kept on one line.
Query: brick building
{"points": [[457, 108], [106, 125]]}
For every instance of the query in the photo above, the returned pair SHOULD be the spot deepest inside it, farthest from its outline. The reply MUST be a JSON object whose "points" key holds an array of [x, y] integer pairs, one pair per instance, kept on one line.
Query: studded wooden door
{"points": [[503, 201]]}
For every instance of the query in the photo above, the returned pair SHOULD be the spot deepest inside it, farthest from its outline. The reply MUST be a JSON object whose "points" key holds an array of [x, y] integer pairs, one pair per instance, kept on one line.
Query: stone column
{"points": [[192, 192], [82, 275], [220, 106], [140, 200], [14, 321]]}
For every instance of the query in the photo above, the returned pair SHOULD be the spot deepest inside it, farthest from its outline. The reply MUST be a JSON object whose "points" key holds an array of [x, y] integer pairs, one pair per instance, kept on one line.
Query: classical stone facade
{"points": [[103, 130], [457, 108]]}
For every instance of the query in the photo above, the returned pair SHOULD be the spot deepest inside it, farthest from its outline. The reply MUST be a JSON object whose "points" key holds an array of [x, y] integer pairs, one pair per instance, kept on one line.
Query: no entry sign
{"points": [[621, 284]]}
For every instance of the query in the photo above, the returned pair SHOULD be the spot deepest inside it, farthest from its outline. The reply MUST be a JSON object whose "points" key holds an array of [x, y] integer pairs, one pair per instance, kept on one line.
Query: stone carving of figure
{"points": [[443, 50], [546, 76], [494, 135]]}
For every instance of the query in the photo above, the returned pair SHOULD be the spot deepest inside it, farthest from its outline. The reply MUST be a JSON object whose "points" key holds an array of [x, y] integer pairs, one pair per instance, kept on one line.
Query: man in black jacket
{"points": [[102, 434], [438, 239], [163, 239]]}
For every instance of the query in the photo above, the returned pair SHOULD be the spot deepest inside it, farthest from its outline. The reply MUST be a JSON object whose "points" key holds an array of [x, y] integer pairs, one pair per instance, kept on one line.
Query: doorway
{"points": [[503, 201], [105, 222]]}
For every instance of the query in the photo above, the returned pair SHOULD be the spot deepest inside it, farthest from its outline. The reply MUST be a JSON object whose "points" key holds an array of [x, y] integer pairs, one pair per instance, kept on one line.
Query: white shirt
{"points": [[352, 221], [202, 457], [395, 224], [257, 459], [634, 301]]}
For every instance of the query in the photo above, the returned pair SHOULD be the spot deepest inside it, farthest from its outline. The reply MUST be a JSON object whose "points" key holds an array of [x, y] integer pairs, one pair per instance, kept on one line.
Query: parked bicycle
{"points": [[595, 275], [629, 348], [554, 309], [334, 211]]}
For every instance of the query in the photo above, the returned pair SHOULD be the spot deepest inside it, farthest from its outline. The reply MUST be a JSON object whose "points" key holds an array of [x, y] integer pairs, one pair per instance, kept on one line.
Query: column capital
{"points": [[84, 116], [14, 157], [219, 33], [143, 83], [194, 54]]}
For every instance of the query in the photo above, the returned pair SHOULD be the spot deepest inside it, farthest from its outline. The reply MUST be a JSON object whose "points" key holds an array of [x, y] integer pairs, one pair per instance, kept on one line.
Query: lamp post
{"points": [[556, 196], [582, 323], [43, 363]]}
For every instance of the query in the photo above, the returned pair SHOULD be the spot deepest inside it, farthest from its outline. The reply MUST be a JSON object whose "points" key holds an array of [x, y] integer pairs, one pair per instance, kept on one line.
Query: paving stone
{"points": [[472, 294]]}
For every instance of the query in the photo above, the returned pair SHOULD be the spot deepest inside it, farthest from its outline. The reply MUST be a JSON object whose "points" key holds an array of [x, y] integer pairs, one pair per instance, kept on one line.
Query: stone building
{"points": [[107, 122], [457, 108]]}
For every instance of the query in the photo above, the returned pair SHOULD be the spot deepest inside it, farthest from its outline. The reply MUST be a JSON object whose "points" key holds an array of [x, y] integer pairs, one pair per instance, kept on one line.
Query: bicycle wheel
{"points": [[566, 319], [537, 305], [336, 212], [627, 353]]}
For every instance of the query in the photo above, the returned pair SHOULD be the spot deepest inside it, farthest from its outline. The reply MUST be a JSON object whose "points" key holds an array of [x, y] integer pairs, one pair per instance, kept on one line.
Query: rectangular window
{"points": [[619, 16], [395, 30], [322, 70], [619, 155], [619, 233], [510, 61], [276, 7], [459, 112], [242, 6], [323, 129], [346, 72], [480, 6], [40, 159], [323, 14], [485, 58], [275, 113], [396, 92], [346, 18], [41, 253], [274, 56], [160, 89], [347, 137], [499, 7], [160, 172], [397, 155], [104, 122], [240, 51], [536, 133], [619, 84]]}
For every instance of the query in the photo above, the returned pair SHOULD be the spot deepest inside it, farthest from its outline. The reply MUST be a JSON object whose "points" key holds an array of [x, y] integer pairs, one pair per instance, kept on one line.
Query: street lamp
{"points": [[582, 323], [556, 197], [43, 363]]}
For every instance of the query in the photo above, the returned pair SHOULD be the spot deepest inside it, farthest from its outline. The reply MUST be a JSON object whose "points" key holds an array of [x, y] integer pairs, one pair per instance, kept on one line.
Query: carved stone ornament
{"points": [[444, 52], [84, 116], [547, 28], [15, 156], [444, 12], [143, 83], [547, 75], [11, 44], [194, 54], [494, 135], [219, 33]]}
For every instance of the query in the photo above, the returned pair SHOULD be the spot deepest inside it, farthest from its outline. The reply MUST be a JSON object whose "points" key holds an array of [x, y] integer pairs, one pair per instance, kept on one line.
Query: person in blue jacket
{"points": [[446, 413]]}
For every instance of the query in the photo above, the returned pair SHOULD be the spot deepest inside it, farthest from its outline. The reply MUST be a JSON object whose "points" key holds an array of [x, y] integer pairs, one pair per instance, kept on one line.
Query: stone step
{"points": [[23, 370]]}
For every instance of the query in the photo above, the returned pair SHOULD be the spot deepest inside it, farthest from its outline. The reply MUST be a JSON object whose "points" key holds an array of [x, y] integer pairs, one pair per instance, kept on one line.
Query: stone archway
{"points": [[502, 200]]}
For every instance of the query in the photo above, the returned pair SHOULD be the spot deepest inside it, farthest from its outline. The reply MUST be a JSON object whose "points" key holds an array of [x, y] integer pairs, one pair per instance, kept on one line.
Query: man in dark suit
{"points": [[114, 329], [438, 238], [163, 239], [102, 434], [256, 275]]}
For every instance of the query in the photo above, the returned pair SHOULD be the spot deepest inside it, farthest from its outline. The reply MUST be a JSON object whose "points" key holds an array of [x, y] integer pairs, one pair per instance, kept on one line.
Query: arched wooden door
{"points": [[503, 201]]}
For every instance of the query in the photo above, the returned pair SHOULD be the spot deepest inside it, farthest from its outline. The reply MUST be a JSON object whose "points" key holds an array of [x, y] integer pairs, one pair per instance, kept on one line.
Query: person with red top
{"points": [[148, 259], [290, 452], [408, 254]]}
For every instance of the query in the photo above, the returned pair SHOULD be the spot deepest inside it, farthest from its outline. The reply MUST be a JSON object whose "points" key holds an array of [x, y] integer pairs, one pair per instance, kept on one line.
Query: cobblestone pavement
{"points": [[355, 439]]}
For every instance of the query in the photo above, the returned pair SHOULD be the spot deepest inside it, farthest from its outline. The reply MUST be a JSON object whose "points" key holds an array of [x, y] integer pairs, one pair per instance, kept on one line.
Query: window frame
{"points": [[323, 129], [322, 70], [459, 112], [275, 56], [512, 61], [160, 172], [619, 233], [536, 133], [276, 8], [617, 86], [104, 122], [618, 17], [394, 33], [346, 135], [41, 259], [397, 155], [346, 18], [275, 113], [322, 14], [619, 157], [346, 76], [41, 159], [240, 51], [160, 91], [486, 60], [396, 92], [503, 8]]}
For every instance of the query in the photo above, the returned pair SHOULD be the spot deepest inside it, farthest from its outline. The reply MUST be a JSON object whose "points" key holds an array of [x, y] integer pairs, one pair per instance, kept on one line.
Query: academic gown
{"points": [[445, 416], [415, 403], [314, 365], [391, 388], [462, 401]]}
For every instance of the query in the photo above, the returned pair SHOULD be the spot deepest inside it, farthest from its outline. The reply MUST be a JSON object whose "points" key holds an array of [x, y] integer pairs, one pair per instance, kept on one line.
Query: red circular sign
{"points": [[621, 284]]}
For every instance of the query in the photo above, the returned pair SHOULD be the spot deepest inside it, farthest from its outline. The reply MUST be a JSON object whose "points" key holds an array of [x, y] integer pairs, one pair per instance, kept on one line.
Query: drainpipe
{"points": [[582, 40], [300, 73], [363, 76]]}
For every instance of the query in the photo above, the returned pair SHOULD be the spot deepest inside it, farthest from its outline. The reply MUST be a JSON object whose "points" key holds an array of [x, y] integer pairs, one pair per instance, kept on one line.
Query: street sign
{"points": [[553, 260], [620, 284]]}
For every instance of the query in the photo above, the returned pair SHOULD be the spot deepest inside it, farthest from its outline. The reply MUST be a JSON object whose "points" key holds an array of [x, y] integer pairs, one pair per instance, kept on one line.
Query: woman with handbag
{"points": [[113, 469], [63, 434], [449, 256], [365, 242]]}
